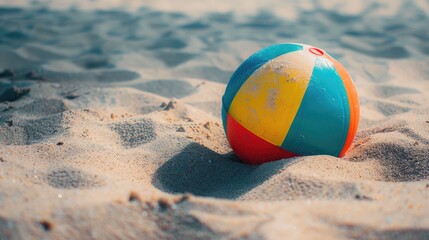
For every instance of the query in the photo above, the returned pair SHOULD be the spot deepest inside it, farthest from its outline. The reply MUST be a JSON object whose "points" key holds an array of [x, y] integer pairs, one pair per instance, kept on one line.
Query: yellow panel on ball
{"points": [[268, 101]]}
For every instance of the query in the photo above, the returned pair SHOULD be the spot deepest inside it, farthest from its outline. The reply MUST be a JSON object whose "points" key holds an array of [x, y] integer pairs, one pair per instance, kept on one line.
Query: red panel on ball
{"points": [[251, 148]]}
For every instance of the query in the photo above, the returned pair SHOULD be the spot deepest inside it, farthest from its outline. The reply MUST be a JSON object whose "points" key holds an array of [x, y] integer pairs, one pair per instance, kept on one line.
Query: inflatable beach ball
{"points": [[290, 100]]}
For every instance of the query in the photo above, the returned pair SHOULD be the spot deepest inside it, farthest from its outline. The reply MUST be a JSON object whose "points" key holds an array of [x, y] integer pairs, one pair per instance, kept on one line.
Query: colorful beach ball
{"points": [[290, 100]]}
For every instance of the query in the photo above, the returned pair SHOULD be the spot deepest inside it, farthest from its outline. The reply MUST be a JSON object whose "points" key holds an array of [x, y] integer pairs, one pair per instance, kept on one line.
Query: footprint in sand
{"points": [[133, 134], [94, 62], [206, 72], [69, 178], [196, 25], [13, 94], [167, 88], [168, 42], [43, 107], [172, 58], [24, 132]]}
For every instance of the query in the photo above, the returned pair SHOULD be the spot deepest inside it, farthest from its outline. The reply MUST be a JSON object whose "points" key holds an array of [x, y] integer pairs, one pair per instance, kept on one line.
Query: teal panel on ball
{"points": [[248, 67], [322, 121], [224, 116]]}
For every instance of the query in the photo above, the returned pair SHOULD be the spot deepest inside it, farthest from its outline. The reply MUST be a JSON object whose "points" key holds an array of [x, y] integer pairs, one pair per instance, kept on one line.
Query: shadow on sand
{"points": [[203, 172]]}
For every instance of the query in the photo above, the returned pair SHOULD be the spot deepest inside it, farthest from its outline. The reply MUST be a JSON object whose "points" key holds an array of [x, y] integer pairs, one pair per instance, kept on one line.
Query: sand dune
{"points": [[110, 122]]}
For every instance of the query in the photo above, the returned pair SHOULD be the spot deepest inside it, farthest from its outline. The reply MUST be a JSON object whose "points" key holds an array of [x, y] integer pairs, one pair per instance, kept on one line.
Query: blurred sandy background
{"points": [[110, 122]]}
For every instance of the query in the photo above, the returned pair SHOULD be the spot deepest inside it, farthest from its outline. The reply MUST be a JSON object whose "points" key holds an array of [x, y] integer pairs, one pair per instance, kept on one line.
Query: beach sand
{"points": [[110, 122]]}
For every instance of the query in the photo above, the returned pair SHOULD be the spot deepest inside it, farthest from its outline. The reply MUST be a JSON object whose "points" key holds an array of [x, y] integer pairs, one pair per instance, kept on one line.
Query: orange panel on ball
{"points": [[251, 148]]}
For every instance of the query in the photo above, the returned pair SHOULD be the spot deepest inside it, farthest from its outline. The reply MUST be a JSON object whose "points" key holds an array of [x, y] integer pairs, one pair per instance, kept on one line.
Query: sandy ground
{"points": [[110, 122]]}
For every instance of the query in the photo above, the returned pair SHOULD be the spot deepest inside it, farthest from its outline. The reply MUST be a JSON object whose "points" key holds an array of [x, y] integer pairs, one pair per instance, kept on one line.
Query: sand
{"points": [[110, 122]]}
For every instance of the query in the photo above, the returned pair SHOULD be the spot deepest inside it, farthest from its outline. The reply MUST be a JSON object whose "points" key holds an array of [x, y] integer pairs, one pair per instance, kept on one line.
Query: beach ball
{"points": [[289, 100]]}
